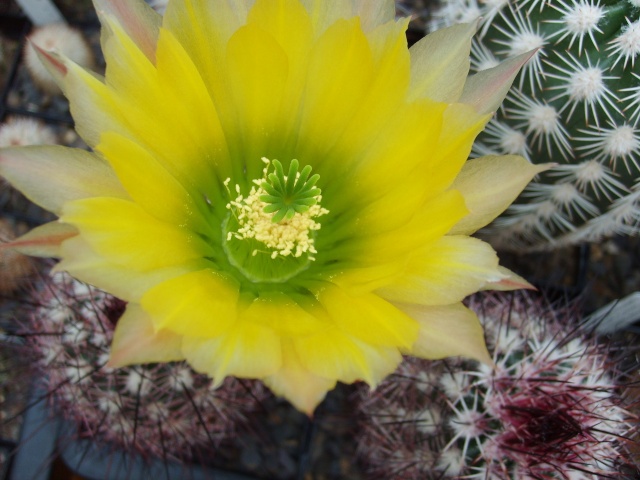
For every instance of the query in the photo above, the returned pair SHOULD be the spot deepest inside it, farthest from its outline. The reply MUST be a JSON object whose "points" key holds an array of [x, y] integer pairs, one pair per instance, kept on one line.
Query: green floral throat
{"points": [[269, 234]]}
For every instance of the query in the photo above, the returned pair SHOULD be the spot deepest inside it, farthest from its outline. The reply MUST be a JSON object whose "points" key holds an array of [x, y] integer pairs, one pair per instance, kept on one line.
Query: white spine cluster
{"points": [[576, 103], [20, 132]]}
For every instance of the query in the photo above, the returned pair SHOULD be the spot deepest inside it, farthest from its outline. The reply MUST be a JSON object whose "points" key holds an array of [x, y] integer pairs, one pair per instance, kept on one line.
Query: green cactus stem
{"points": [[577, 103]]}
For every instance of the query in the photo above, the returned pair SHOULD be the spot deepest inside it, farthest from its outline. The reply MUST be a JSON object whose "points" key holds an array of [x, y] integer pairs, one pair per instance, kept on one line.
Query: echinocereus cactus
{"points": [[550, 409], [576, 103]]}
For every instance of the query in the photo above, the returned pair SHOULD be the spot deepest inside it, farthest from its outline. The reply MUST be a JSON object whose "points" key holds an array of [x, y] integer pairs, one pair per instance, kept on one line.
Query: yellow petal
{"points": [[248, 350], [51, 176], [382, 103], [369, 278], [198, 304], [445, 272], [91, 104], [43, 241], [83, 263], [342, 58], [203, 28], [200, 142], [287, 22], [331, 354], [377, 258], [431, 222], [388, 44], [489, 185], [367, 317], [123, 233], [182, 131], [431, 140], [136, 341], [325, 13], [258, 69], [297, 384], [54, 64], [447, 331], [414, 130], [282, 314], [372, 14], [137, 18], [149, 184], [440, 63], [461, 124]]}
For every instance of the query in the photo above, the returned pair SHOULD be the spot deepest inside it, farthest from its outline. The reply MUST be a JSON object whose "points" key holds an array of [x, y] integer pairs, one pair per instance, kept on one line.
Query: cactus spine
{"points": [[550, 409], [164, 411], [577, 103]]}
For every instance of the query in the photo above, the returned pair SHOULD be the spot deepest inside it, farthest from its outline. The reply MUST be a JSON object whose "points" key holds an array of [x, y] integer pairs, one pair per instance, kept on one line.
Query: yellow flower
{"points": [[278, 189]]}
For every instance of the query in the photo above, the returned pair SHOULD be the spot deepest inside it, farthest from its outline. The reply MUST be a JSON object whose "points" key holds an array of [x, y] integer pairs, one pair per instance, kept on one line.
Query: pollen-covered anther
{"points": [[279, 212]]}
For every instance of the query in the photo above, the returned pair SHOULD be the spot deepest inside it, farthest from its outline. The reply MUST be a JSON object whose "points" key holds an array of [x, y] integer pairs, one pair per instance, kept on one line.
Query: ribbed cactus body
{"points": [[576, 103]]}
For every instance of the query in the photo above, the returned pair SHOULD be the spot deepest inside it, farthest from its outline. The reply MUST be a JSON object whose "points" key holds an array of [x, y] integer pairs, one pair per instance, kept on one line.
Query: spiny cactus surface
{"points": [[164, 411], [550, 409], [576, 103]]}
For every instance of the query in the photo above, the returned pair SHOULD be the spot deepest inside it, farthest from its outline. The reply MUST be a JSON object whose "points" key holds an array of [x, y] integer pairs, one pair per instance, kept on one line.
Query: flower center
{"points": [[269, 234]]}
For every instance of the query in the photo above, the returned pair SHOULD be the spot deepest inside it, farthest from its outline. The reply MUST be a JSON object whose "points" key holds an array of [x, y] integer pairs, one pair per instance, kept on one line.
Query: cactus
{"points": [[19, 132], [164, 411], [550, 409], [576, 103], [22, 131]]}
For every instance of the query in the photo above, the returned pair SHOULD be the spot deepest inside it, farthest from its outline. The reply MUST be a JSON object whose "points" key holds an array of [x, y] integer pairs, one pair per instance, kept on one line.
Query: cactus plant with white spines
{"points": [[22, 131], [551, 408], [576, 103]]}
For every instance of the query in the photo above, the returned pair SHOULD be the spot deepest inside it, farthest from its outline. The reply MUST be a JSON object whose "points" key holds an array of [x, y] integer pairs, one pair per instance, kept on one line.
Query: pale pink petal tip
{"points": [[135, 341], [42, 241]]}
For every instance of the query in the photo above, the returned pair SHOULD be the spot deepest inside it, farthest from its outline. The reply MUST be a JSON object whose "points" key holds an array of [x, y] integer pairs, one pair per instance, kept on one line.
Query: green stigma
{"points": [[289, 194]]}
